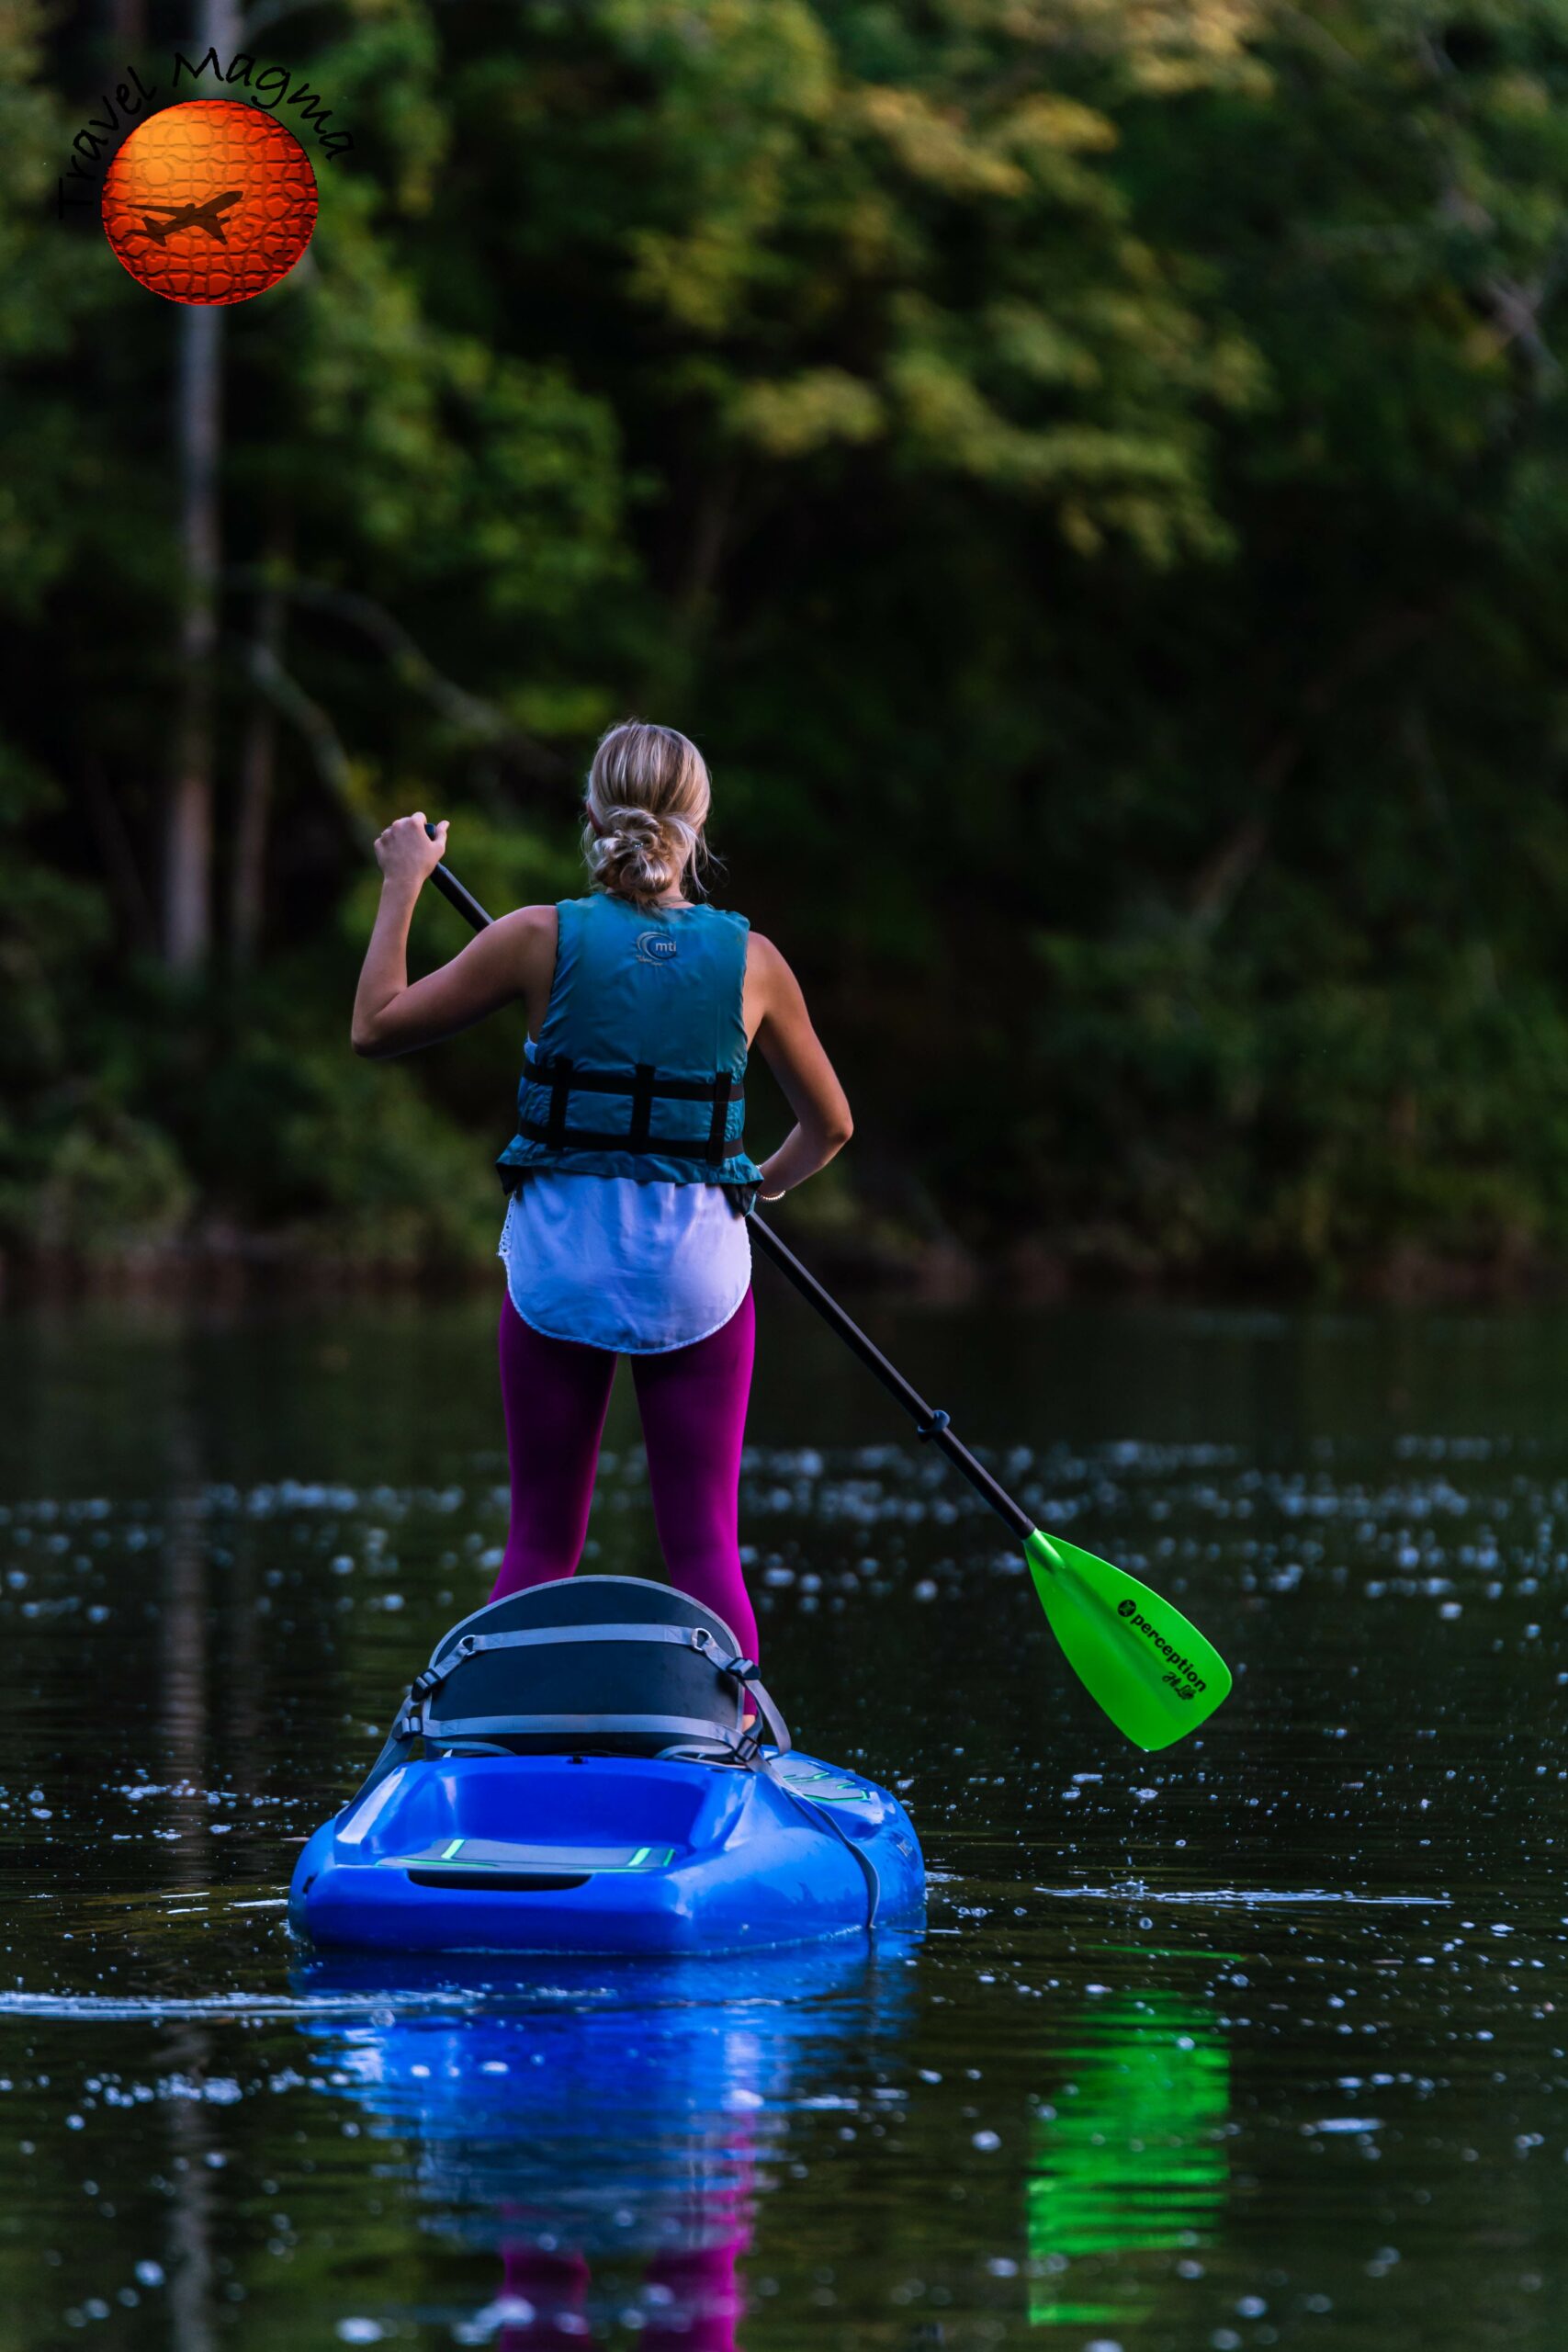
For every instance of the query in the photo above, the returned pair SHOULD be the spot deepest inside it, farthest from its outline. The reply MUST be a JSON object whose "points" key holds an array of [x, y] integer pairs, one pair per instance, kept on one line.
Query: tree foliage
{"points": [[1091, 476]]}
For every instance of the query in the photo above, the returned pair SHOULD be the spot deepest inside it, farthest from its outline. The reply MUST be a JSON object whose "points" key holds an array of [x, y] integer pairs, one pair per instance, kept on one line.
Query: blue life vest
{"points": [[641, 1056]]}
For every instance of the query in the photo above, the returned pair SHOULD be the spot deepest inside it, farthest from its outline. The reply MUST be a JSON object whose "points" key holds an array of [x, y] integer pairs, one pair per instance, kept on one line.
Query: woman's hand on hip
{"points": [[405, 851]]}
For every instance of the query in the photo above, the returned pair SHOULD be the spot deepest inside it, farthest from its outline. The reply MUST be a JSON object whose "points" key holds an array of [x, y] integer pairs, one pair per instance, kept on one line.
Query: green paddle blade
{"points": [[1154, 1673]]}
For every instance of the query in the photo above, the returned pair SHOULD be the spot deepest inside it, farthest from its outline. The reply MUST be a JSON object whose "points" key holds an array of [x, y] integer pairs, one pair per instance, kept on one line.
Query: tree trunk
{"points": [[247, 879], [187, 840]]}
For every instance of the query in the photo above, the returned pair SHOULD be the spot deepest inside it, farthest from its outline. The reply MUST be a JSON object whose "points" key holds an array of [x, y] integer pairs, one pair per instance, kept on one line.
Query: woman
{"points": [[626, 1230]]}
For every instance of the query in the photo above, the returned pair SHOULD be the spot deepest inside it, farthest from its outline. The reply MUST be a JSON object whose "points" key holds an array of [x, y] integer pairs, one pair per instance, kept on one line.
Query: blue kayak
{"points": [[600, 1771]]}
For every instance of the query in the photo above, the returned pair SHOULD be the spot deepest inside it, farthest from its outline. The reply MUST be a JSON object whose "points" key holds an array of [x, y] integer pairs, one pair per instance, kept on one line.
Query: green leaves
{"points": [[1091, 473], [824, 211]]}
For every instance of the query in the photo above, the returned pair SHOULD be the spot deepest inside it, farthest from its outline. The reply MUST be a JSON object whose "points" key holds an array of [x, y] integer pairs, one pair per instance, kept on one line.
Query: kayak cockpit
{"points": [[585, 1780]]}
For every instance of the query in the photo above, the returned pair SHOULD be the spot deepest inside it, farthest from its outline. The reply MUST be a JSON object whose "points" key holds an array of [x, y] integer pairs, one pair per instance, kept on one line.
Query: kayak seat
{"points": [[587, 1665]]}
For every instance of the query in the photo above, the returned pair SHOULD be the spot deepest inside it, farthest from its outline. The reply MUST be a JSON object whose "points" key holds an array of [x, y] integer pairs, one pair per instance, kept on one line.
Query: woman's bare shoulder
{"points": [[528, 927], [773, 995], [763, 960]]}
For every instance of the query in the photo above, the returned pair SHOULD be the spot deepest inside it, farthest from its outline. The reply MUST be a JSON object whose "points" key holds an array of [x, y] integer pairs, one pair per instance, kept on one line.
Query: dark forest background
{"points": [[1091, 474]]}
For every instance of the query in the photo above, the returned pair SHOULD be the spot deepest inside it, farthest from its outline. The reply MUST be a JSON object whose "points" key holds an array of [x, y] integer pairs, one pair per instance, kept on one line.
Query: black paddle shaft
{"points": [[929, 1423], [452, 890]]}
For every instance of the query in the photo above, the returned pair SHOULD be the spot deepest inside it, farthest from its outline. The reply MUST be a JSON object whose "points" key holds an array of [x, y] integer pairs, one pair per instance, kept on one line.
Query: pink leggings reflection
{"points": [[698, 2312]]}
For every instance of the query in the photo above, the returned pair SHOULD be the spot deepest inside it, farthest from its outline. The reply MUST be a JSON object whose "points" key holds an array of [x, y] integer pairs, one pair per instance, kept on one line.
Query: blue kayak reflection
{"points": [[1128, 2163], [606, 2118]]}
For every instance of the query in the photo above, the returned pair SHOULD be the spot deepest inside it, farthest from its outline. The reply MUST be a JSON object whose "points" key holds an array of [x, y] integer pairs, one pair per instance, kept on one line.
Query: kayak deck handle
{"points": [[501, 1882]]}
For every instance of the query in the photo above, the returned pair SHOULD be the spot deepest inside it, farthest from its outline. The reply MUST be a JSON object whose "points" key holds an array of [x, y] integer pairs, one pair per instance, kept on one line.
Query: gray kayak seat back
{"points": [[586, 1664]]}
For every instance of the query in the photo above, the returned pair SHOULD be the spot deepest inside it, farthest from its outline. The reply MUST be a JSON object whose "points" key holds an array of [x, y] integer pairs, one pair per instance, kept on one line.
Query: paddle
{"points": [[1154, 1673]]}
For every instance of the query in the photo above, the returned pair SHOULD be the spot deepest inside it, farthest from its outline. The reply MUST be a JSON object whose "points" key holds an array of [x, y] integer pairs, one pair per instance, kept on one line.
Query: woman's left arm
{"points": [[494, 969]]}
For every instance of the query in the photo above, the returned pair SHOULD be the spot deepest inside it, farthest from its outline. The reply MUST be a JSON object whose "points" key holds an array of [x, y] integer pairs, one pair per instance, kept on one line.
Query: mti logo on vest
{"points": [[656, 947]]}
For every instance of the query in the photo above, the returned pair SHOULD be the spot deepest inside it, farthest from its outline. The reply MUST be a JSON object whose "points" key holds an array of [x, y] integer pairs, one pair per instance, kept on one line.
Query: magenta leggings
{"points": [[693, 1402]]}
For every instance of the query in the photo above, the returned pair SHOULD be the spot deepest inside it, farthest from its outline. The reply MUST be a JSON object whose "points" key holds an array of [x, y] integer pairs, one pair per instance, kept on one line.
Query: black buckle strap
{"points": [[642, 1105], [544, 1072], [560, 1089], [720, 1120], [410, 1714], [605, 1139], [561, 1077], [749, 1674]]}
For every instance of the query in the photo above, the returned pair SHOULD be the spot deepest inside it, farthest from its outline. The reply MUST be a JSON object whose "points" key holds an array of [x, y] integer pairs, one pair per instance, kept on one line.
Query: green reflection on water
{"points": [[1130, 2162]]}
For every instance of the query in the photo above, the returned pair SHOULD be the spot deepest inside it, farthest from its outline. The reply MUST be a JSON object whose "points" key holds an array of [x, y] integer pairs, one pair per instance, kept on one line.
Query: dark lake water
{"points": [[1258, 2041]]}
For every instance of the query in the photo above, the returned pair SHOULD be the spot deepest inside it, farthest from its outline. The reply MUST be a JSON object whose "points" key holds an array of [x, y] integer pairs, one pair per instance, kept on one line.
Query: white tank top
{"points": [[610, 1263]]}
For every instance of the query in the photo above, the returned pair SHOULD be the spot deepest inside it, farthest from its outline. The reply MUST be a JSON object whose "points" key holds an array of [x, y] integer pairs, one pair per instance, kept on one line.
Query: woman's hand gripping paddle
{"points": [[1154, 1673]]}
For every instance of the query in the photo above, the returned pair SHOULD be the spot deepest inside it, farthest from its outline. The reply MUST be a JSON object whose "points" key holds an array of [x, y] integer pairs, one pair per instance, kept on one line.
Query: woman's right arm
{"points": [[513, 957], [793, 1051]]}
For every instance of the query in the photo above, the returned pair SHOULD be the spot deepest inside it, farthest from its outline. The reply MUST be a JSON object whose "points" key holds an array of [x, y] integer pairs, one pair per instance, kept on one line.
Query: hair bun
{"points": [[637, 854], [647, 802], [629, 825]]}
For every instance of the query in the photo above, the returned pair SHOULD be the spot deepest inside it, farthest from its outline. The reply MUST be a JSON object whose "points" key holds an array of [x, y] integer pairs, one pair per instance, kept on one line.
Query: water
{"points": [[1258, 2041]]}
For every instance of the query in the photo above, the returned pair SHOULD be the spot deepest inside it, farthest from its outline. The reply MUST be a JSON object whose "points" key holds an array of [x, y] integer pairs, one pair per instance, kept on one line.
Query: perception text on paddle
{"points": [[1140, 1624]]}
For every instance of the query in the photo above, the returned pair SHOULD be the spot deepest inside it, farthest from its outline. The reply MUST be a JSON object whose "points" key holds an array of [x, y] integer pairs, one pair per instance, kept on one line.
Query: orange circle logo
{"points": [[210, 201]]}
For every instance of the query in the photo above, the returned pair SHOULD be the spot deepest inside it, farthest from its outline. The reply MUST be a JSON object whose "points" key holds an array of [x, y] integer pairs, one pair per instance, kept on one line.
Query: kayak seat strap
{"points": [[425, 1715], [398, 1749], [614, 1665], [685, 1637], [747, 1671]]}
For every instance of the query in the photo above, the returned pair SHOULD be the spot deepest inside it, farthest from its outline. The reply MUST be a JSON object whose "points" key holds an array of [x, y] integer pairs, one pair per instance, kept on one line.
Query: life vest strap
{"points": [[644, 1085], [642, 1105], [563, 1072], [561, 1089], [720, 1119], [596, 1139]]}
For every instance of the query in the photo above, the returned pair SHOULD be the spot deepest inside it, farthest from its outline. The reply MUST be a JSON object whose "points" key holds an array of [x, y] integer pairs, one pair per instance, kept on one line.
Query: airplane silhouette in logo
{"points": [[191, 216]]}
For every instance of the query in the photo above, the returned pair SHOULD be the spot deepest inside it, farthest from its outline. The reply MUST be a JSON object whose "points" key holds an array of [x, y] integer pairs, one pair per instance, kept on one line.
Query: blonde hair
{"points": [[646, 801]]}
